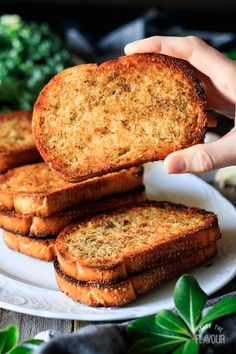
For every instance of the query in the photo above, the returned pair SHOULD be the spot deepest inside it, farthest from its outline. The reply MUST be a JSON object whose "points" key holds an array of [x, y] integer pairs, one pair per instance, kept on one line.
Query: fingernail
{"points": [[175, 164], [128, 47]]}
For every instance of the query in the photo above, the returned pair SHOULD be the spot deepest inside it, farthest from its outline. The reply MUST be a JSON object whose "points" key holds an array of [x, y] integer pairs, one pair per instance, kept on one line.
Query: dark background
{"points": [[96, 18], [101, 16]]}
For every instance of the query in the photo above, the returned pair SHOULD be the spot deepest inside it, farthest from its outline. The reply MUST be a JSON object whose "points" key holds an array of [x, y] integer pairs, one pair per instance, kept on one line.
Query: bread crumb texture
{"points": [[39, 178], [138, 108], [16, 131], [35, 178]]}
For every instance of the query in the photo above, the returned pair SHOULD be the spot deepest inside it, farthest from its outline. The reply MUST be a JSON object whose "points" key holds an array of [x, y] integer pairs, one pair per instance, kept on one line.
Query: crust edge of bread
{"points": [[48, 203], [122, 293], [50, 226], [39, 248]]}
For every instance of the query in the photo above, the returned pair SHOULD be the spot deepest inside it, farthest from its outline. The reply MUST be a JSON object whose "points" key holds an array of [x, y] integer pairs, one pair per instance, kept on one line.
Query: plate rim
{"points": [[119, 316], [94, 317]]}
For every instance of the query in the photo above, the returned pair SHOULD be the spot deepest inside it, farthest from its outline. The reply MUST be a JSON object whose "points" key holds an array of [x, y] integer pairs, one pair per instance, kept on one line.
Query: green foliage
{"points": [[9, 339], [178, 333], [189, 300], [30, 54], [155, 345], [231, 54], [191, 346], [167, 320], [225, 307]]}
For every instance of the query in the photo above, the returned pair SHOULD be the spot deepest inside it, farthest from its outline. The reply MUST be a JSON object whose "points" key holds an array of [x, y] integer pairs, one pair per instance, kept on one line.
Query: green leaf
{"points": [[167, 320], [27, 347], [33, 341], [21, 349], [225, 307], [157, 344], [190, 347], [189, 300], [8, 338], [143, 327], [151, 337]]}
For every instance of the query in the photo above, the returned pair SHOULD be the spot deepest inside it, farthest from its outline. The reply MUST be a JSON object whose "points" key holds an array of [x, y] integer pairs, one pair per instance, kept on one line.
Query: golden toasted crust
{"points": [[110, 246], [90, 120], [39, 248], [124, 292], [17, 145], [38, 190], [52, 225]]}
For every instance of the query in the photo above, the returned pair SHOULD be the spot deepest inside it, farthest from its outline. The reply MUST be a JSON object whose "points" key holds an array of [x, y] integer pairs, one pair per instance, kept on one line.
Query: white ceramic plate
{"points": [[28, 285]]}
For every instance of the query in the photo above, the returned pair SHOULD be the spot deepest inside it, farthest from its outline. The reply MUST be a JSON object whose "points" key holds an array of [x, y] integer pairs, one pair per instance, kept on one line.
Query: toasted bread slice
{"points": [[38, 190], [39, 248], [90, 120], [121, 293], [17, 145], [49, 226], [113, 245]]}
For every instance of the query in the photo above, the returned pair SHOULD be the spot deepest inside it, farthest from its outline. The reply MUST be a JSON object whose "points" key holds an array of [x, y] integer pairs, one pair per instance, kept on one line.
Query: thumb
{"points": [[204, 157]]}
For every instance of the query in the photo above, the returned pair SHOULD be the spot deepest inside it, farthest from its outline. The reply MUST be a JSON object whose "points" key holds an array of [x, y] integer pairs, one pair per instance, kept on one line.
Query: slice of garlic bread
{"points": [[38, 190], [112, 246], [90, 120]]}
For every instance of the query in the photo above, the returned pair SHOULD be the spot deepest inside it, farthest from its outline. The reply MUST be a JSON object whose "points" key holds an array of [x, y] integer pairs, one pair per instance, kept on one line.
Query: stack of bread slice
{"points": [[36, 204], [110, 259], [91, 120]]}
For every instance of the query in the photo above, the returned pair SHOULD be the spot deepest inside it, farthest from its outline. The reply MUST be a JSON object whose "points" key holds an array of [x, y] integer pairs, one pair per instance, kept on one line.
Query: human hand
{"points": [[218, 74]]}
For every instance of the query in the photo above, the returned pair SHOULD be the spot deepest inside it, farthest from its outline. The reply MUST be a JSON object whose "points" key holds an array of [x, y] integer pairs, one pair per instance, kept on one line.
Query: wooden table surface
{"points": [[31, 325]]}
